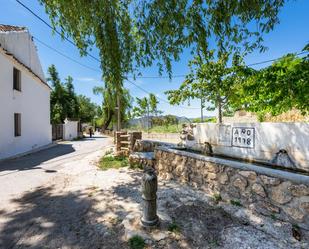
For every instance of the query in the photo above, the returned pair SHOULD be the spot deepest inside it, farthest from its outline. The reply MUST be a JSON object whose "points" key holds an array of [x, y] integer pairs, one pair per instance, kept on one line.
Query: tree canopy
{"points": [[278, 88], [212, 81], [130, 34], [64, 103], [107, 111]]}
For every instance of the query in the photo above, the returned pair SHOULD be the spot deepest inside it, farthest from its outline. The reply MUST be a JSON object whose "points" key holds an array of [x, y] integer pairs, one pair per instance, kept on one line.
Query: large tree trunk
{"points": [[107, 122]]}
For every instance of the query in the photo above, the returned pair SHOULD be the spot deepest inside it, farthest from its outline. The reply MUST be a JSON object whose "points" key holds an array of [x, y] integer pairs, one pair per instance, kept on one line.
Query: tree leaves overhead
{"points": [[278, 88], [130, 34]]}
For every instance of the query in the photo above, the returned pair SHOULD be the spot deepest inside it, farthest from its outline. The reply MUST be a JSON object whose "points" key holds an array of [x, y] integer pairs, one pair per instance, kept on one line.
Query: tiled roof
{"points": [[8, 28]]}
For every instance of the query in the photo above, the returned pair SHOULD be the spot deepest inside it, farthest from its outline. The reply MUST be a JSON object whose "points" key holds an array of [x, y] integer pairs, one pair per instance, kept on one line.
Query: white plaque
{"points": [[243, 137]]}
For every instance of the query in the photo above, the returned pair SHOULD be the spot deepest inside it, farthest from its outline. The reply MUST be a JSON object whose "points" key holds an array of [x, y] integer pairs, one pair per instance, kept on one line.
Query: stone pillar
{"points": [[135, 135], [118, 139], [149, 195]]}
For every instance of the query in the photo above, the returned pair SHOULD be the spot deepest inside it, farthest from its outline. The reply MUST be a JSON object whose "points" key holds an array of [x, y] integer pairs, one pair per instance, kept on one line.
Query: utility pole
{"points": [[148, 118], [202, 118], [118, 113]]}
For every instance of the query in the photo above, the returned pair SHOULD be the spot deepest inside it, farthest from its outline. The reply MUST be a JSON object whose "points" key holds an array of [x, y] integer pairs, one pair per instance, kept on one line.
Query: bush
{"points": [[136, 242]]}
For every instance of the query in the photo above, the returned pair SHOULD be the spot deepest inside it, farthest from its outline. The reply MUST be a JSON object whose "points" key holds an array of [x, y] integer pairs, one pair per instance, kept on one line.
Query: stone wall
{"points": [[276, 193]]}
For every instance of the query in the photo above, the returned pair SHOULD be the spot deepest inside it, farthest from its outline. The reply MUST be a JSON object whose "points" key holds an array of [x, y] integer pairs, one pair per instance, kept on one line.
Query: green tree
{"points": [[212, 81], [130, 34], [72, 105], [57, 97], [276, 89], [87, 109], [153, 105], [109, 105]]}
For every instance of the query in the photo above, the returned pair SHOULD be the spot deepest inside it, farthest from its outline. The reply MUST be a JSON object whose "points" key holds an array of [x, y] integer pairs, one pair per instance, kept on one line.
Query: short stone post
{"points": [[149, 195]]}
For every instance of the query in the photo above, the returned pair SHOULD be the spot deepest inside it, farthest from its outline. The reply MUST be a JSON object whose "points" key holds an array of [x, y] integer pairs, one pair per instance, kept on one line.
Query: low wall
{"points": [[70, 130], [163, 137], [271, 192], [257, 141]]}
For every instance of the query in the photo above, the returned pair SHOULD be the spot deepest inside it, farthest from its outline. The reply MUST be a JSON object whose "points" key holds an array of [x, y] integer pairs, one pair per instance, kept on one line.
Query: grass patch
{"points": [[217, 198], [173, 227], [113, 162], [136, 242], [159, 128], [236, 203], [273, 216]]}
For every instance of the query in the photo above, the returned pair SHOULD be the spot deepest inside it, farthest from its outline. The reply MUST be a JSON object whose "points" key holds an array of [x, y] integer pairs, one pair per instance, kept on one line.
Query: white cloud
{"points": [[88, 79]]}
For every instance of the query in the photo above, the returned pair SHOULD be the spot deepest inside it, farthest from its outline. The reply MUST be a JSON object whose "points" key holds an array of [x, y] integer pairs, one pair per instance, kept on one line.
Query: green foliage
{"points": [[211, 80], [63, 99], [206, 120], [130, 34], [64, 103], [110, 161], [87, 109], [174, 227], [217, 197], [165, 129], [107, 113], [278, 88], [236, 203], [136, 242]]}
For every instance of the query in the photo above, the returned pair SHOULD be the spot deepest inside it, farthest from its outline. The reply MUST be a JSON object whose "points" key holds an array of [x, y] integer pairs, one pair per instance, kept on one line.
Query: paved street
{"points": [[28, 172]]}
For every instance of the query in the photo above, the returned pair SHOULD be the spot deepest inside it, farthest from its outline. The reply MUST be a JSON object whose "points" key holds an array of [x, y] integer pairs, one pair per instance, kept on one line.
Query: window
{"points": [[16, 79], [17, 124]]}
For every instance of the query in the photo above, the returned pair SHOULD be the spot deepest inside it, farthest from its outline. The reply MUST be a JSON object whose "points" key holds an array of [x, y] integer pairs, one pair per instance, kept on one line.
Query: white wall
{"points": [[70, 130], [20, 44], [269, 138], [33, 102]]}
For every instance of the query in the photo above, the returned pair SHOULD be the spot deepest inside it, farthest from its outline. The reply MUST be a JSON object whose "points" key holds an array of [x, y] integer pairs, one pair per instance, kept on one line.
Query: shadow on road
{"points": [[50, 219], [33, 160]]}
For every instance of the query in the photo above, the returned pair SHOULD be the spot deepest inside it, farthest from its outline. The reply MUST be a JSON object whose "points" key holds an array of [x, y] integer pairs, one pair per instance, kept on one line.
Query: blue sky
{"points": [[290, 35]]}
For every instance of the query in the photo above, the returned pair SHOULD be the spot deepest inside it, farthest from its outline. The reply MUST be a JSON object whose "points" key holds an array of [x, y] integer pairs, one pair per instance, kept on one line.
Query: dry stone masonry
{"points": [[285, 198]]}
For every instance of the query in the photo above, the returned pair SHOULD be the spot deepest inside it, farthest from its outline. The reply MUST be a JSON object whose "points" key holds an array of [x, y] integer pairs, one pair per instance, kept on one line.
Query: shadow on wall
{"points": [[31, 161]]}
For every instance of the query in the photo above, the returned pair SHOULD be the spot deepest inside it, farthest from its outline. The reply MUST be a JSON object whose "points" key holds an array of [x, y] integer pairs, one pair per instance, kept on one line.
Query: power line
{"points": [[184, 107], [55, 30], [98, 60], [142, 89], [93, 69], [263, 62], [64, 55]]}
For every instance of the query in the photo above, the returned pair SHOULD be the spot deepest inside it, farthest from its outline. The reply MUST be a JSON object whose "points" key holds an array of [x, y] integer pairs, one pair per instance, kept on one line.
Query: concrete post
{"points": [[149, 195]]}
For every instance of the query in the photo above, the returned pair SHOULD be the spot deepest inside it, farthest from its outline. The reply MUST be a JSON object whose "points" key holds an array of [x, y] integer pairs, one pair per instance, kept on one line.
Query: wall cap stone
{"points": [[294, 177]]}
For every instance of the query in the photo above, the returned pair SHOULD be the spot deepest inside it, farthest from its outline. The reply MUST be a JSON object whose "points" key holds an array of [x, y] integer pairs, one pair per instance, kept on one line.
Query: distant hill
{"points": [[143, 121]]}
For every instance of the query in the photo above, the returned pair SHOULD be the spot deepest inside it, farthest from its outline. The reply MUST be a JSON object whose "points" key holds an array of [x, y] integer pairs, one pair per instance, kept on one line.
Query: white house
{"points": [[24, 94]]}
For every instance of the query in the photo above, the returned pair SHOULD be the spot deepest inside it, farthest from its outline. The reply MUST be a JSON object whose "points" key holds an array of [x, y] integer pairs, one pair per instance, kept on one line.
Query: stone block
{"points": [[270, 180], [294, 213], [250, 175], [240, 183], [281, 193], [299, 190], [212, 168], [223, 178], [258, 189], [211, 176]]}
